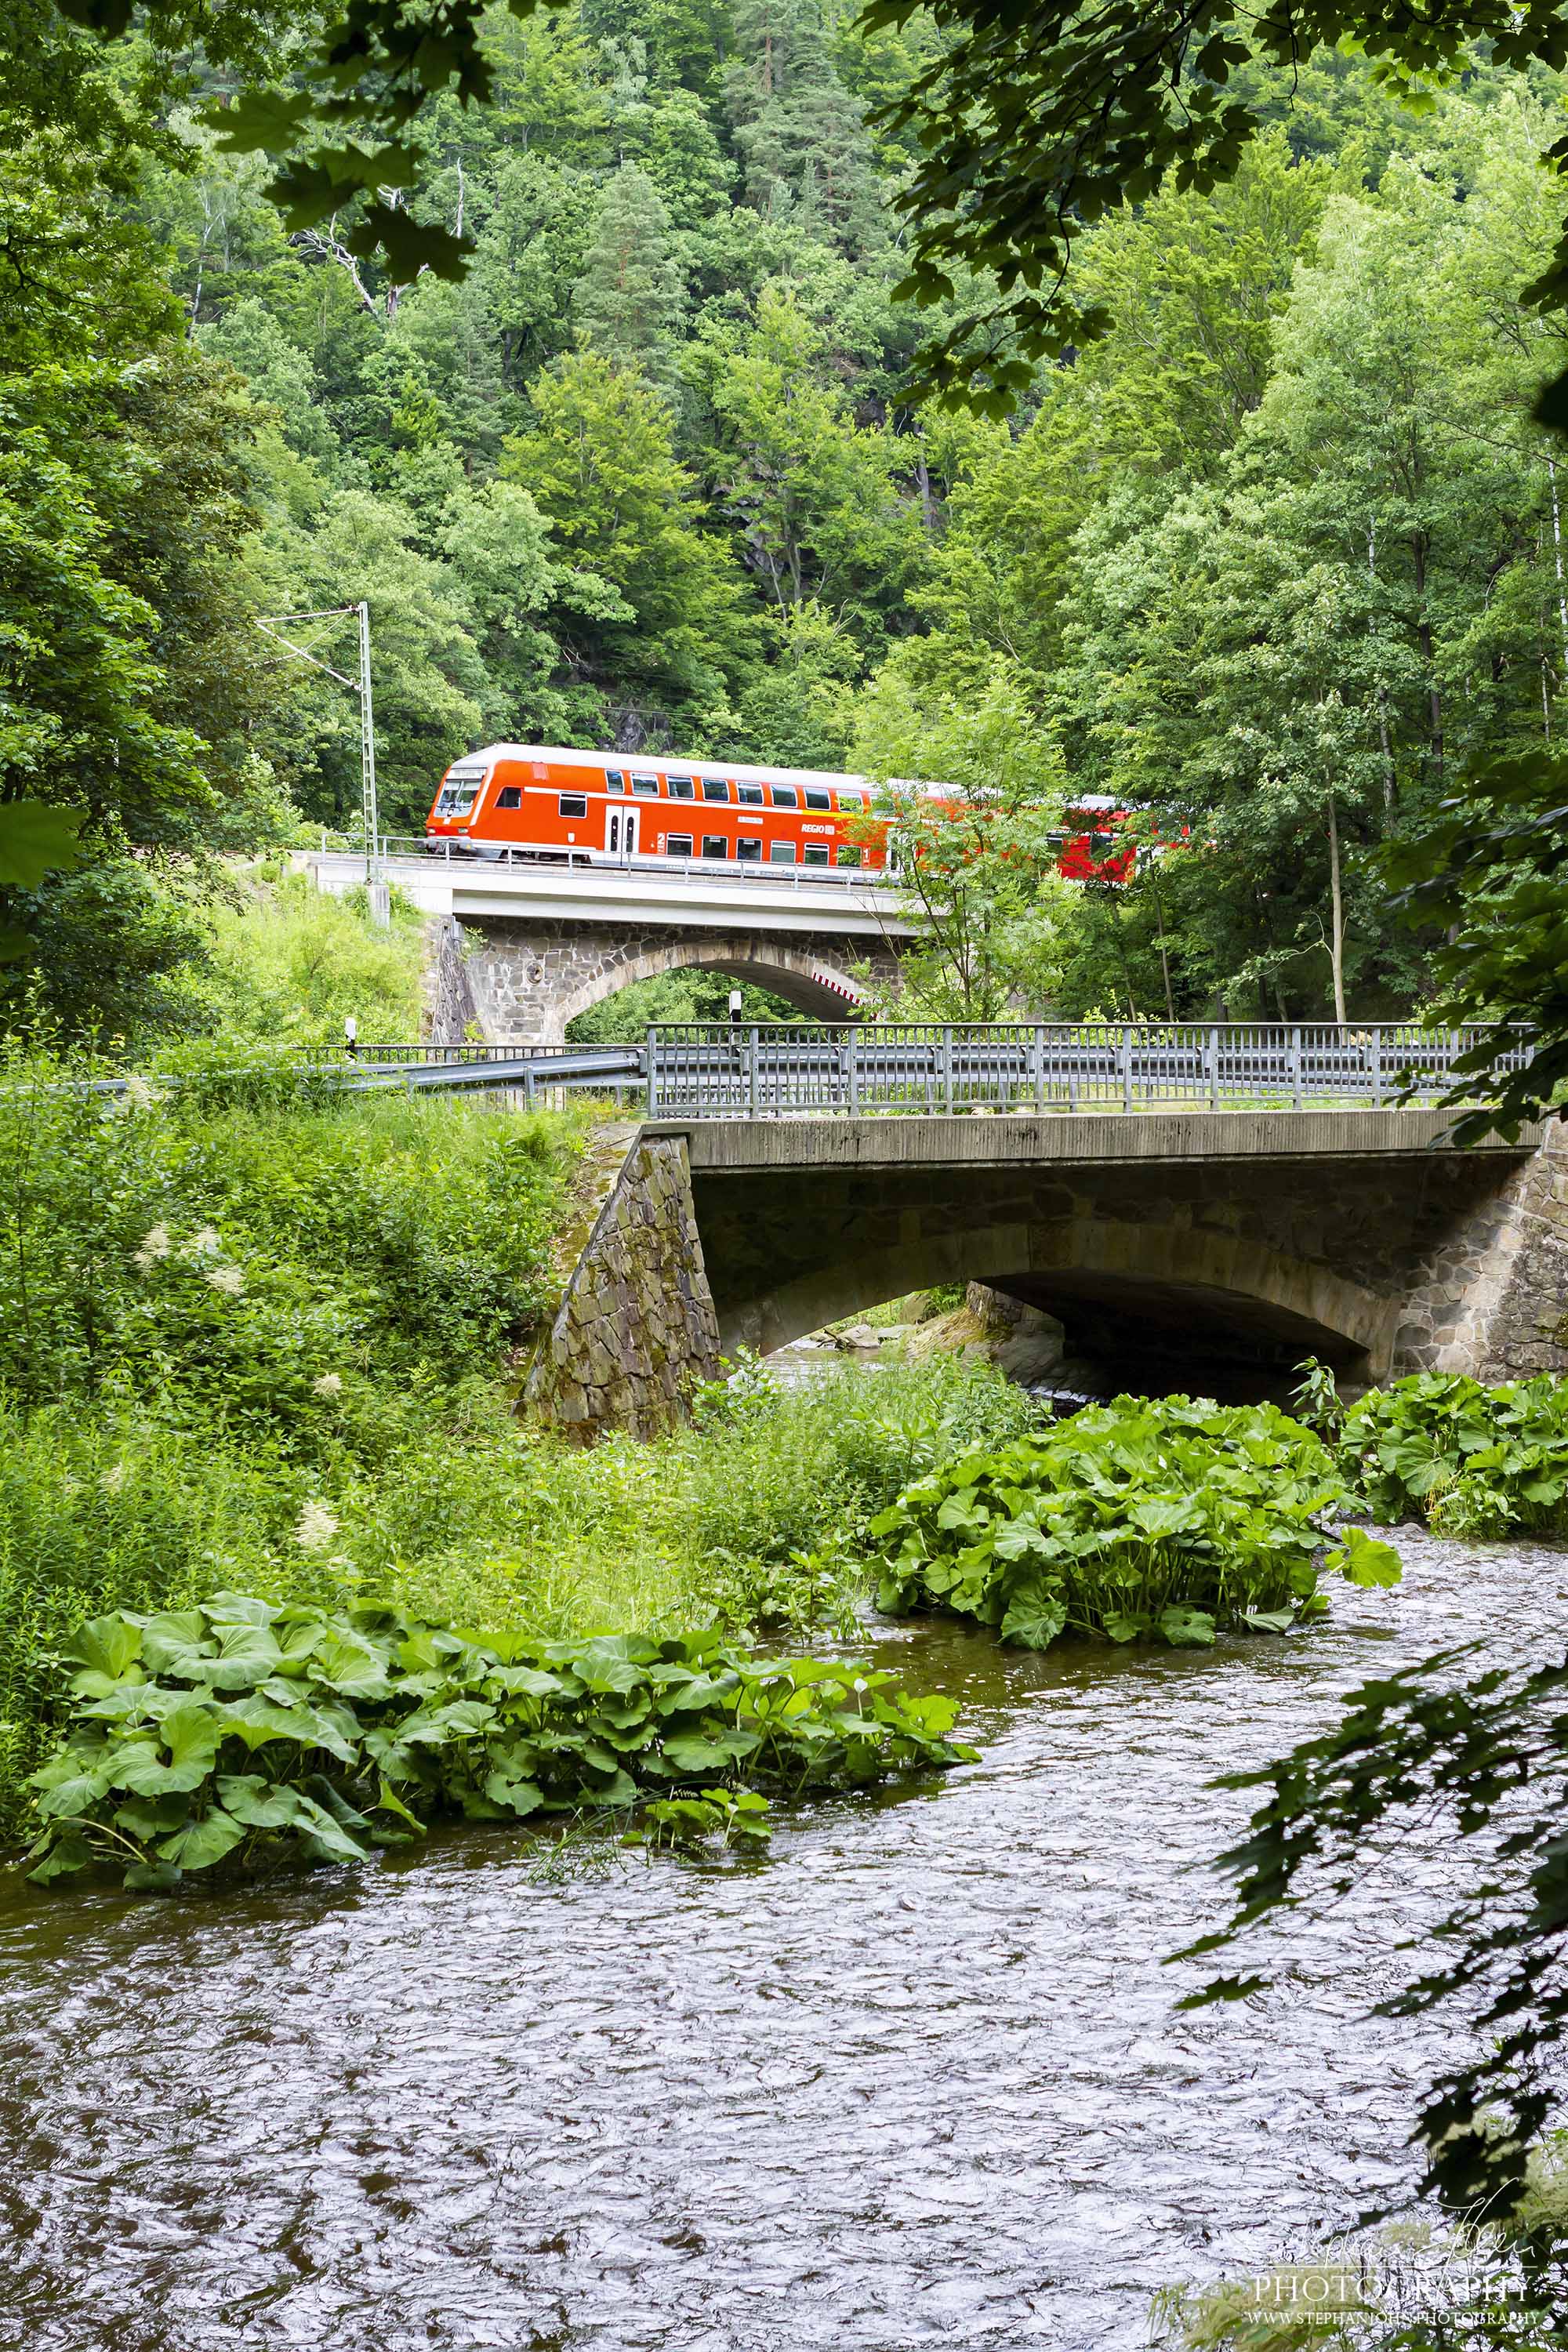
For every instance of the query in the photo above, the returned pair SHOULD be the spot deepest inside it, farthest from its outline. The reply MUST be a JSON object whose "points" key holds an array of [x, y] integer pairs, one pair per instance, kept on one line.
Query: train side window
{"points": [[784, 796], [574, 803], [815, 853], [818, 799], [614, 780], [678, 844], [714, 788], [715, 844], [680, 788], [645, 784], [852, 801], [749, 795], [849, 856], [750, 852], [781, 852], [510, 798]]}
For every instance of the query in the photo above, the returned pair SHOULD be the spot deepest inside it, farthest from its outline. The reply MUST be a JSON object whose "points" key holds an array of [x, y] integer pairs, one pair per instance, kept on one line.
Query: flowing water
{"points": [[916, 2080]]}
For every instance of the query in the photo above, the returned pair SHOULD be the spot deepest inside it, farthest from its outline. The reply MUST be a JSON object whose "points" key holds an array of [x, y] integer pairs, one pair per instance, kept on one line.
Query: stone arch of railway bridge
{"points": [[1176, 1240], [524, 981]]}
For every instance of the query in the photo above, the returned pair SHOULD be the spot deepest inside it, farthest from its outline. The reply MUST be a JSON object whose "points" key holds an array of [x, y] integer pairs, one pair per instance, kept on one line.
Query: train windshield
{"points": [[458, 795]]}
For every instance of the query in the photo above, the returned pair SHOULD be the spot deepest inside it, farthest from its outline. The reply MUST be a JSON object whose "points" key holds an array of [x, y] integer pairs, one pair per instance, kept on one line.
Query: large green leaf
{"points": [[105, 1645], [256, 1803], [1037, 1615], [36, 840], [1361, 1560], [204, 1842], [1186, 1629], [66, 1855], [69, 1787]]}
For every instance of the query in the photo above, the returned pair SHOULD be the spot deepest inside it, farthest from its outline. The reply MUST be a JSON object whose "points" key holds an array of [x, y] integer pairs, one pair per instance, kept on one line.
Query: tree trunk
{"points": [[1557, 551], [1165, 958], [1382, 701], [1337, 914], [1424, 637]]}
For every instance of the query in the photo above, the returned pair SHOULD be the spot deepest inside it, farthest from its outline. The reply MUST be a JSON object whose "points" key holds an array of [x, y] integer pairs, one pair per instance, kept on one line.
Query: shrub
{"points": [[288, 962], [1167, 1520], [230, 1245], [1471, 1460], [229, 1730]]}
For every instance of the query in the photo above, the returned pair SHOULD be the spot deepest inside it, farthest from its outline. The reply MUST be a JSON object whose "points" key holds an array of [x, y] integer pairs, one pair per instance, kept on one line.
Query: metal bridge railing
{"points": [[690, 872], [698, 1071]]}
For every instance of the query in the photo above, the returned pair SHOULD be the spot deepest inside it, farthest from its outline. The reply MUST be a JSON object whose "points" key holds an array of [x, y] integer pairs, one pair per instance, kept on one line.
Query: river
{"points": [[915, 2080]]}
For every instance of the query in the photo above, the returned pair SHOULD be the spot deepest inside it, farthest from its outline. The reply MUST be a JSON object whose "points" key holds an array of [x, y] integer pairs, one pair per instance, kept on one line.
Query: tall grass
{"points": [[285, 963], [442, 1502]]}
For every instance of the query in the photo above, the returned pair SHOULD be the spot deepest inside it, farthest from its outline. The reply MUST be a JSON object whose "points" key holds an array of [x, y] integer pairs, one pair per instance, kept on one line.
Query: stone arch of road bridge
{"points": [[524, 980], [1379, 1265]]}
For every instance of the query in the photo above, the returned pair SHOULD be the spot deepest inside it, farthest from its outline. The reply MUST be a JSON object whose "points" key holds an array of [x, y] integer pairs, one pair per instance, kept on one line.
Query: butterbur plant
{"points": [[735, 1817], [1472, 1461], [239, 1731], [1168, 1521]]}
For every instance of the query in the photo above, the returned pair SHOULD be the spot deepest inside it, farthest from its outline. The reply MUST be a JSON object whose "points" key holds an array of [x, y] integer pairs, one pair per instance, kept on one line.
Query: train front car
{"points": [[538, 803], [455, 809]]}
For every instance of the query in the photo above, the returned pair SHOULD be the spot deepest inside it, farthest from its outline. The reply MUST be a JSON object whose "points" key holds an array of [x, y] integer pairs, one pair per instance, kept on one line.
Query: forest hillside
{"points": [[1273, 561]]}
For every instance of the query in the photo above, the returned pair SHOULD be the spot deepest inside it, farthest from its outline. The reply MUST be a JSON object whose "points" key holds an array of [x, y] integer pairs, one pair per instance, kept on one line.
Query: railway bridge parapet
{"points": [[520, 946]]}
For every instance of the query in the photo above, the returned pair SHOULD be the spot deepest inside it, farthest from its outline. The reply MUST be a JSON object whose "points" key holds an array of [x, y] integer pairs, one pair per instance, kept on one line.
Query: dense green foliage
{"points": [[257, 1341], [225, 1730], [1487, 867], [1469, 1459], [219, 1249], [284, 965], [1170, 1520], [1274, 559]]}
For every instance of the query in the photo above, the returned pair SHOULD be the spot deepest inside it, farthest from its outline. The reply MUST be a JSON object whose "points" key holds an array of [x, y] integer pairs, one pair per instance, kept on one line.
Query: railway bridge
{"points": [[1194, 1198], [522, 944]]}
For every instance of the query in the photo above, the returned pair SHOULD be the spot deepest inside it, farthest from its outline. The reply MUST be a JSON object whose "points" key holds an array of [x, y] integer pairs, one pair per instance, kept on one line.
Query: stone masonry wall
{"points": [[1452, 1260], [528, 979], [449, 1006], [635, 1328], [1519, 1302]]}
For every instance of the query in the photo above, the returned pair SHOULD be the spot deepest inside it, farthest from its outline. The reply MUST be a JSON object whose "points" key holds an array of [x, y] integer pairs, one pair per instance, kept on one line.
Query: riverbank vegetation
{"points": [[221, 1734], [264, 1341], [1470, 1460], [1166, 1519]]}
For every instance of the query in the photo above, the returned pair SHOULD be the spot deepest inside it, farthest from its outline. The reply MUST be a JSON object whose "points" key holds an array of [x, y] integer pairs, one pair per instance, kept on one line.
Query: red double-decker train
{"points": [[603, 808]]}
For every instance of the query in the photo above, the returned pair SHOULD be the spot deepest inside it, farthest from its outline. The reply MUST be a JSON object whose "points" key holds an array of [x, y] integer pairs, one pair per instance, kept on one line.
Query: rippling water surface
{"points": [[915, 2081]]}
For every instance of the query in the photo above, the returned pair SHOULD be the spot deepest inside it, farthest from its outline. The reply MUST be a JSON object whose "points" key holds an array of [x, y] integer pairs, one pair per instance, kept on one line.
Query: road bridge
{"points": [[1184, 1234], [523, 944]]}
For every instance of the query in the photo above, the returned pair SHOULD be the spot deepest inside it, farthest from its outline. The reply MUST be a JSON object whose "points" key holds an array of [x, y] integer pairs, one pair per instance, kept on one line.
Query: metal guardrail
{"points": [[702, 1072], [713, 1071], [417, 1069], [691, 871], [530, 1069]]}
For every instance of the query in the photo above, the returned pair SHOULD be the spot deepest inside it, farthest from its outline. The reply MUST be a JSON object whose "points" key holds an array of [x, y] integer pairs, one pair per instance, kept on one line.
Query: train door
{"points": [[621, 832]]}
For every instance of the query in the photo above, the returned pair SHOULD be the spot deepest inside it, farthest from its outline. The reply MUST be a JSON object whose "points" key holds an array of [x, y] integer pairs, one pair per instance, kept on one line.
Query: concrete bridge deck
{"points": [[737, 1146], [691, 892]]}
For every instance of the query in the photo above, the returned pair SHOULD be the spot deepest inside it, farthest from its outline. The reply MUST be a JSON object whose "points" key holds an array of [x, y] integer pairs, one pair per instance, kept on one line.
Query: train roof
{"points": [[740, 770]]}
